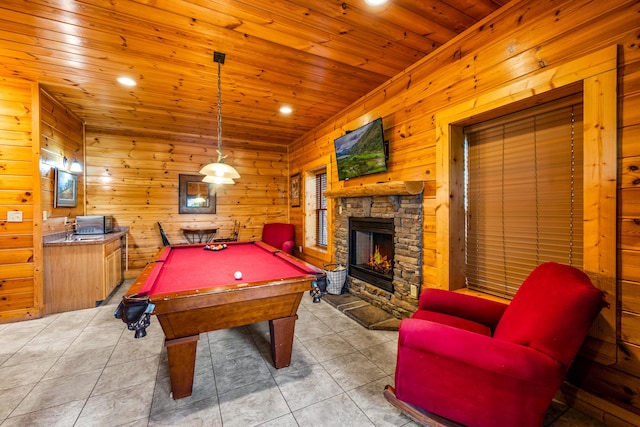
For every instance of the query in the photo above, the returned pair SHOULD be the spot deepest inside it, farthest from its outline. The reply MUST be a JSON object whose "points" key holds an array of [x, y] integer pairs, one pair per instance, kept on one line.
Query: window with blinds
{"points": [[321, 210], [523, 195]]}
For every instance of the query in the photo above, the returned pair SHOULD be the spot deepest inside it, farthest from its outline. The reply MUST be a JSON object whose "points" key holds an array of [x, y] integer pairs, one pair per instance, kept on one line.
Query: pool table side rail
{"points": [[182, 299], [203, 317], [223, 295]]}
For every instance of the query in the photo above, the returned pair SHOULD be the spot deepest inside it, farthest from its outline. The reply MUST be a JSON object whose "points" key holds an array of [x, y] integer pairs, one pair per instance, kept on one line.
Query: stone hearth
{"points": [[363, 312], [407, 214]]}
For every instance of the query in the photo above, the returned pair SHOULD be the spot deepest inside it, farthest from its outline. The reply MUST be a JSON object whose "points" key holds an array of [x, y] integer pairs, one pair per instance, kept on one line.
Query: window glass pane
{"points": [[321, 210]]}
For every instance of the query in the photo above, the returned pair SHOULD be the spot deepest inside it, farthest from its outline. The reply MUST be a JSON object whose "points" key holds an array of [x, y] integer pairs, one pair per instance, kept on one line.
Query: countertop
{"points": [[59, 239]]}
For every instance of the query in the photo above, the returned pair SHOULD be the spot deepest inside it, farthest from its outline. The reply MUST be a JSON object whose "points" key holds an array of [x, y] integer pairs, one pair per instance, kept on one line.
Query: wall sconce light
{"points": [[75, 166]]}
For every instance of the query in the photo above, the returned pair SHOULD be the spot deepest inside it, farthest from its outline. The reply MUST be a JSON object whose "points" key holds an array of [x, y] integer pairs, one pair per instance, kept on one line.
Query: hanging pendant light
{"points": [[211, 179], [219, 172]]}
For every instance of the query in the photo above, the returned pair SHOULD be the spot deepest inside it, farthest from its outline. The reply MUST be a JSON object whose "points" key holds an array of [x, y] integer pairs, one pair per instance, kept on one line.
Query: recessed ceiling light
{"points": [[127, 81], [375, 2], [285, 109]]}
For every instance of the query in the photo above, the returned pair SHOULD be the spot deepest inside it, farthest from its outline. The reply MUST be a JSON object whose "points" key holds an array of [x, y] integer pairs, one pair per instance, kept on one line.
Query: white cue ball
{"points": [[237, 275]]}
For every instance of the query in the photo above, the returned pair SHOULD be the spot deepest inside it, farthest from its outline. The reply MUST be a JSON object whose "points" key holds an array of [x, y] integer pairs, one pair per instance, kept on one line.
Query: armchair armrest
{"points": [[468, 307], [502, 358]]}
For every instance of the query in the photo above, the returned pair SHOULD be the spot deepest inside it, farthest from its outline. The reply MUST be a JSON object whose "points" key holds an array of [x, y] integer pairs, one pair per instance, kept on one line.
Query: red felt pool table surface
{"points": [[191, 267]]}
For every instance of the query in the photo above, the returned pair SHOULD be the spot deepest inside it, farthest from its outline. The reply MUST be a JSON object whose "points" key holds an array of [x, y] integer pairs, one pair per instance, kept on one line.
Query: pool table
{"points": [[192, 289]]}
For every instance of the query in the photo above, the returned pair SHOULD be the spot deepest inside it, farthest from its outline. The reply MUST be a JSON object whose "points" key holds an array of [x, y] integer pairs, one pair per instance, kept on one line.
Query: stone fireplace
{"points": [[403, 217]]}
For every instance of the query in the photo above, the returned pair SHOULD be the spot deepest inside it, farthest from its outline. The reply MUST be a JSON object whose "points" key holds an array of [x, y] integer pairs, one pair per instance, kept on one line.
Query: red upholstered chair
{"points": [[483, 363], [279, 235]]}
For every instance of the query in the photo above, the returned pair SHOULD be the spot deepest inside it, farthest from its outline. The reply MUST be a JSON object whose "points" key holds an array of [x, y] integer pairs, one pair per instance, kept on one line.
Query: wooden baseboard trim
{"points": [[597, 408]]}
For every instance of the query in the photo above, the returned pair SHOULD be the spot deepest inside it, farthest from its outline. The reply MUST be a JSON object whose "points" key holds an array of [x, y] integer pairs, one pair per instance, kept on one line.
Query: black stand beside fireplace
{"points": [[371, 251]]}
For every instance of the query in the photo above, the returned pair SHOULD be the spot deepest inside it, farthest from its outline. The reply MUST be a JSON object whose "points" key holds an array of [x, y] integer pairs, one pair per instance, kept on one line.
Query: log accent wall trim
{"points": [[400, 188]]}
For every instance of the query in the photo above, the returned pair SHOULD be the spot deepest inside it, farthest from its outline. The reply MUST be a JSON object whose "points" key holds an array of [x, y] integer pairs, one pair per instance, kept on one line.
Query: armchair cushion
{"points": [[478, 310], [279, 235], [457, 322]]}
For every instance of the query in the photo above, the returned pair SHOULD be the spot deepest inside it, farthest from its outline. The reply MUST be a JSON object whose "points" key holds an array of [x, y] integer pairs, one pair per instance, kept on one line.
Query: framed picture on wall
{"points": [[295, 190], [65, 194], [195, 196]]}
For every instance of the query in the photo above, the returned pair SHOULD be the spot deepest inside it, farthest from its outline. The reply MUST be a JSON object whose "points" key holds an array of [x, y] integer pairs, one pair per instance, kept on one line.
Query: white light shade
{"points": [[75, 166], [217, 180], [220, 170], [375, 2]]}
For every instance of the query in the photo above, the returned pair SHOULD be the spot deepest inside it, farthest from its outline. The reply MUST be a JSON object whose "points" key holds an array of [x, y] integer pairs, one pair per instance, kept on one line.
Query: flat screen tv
{"points": [[361, 151]]}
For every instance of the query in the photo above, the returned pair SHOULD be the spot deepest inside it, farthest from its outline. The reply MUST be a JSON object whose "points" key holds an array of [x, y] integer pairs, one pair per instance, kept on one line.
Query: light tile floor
{"points": [[83, 368]]}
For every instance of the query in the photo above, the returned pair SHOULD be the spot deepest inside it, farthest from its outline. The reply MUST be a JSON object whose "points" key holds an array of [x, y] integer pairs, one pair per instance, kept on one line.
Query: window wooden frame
{"points": [[594, 75], [308, 172]]}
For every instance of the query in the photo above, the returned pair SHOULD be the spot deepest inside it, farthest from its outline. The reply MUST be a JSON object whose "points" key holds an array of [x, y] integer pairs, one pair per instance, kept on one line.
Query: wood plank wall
{"points": [[523, 37], [122, 169], [61, 136], [20, 251], [135, 179]]}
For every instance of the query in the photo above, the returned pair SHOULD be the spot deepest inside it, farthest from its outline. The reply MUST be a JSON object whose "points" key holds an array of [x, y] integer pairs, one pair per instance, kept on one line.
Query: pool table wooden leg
{"points": [[181, 353], [281, 331]]}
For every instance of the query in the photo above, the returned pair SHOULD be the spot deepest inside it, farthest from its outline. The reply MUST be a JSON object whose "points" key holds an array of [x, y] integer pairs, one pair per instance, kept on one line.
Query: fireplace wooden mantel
{"points": [[394, 188]]}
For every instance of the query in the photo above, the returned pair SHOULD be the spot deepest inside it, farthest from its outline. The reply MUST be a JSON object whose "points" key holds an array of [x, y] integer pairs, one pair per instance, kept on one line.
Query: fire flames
{"points": [[379, 263]]}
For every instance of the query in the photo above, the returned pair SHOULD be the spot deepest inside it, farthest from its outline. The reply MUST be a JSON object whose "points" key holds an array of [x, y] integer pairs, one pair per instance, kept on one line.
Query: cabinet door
{"points": [[112, 271], [73, 277]]}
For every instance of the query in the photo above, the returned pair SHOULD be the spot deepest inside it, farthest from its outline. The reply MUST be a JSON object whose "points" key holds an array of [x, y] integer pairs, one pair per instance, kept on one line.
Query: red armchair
{"points": [[279, 235], [483, 363]]}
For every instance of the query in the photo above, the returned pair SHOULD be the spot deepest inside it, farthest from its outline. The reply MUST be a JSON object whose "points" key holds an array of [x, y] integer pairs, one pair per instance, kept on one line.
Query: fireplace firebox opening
{"points": [[371, 250]]}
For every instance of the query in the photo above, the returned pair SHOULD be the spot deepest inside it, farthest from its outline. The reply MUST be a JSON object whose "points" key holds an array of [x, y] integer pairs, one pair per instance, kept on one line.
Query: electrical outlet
{"points": [[44, 215], [300, 249], [14, 216], [414, 291]]}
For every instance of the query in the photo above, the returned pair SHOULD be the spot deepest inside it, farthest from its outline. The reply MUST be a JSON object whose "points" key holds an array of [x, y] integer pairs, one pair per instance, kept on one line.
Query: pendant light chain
{"points": [[219, 172], [220, 155]]}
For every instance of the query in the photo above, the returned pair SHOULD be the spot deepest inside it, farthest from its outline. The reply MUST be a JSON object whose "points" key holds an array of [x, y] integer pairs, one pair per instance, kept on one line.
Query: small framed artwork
{"points": [[195, 196], [65, 193], [295, 190]]}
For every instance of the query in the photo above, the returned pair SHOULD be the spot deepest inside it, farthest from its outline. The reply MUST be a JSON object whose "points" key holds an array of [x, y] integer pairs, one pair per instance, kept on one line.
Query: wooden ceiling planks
{"points": [[317, 56]]}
